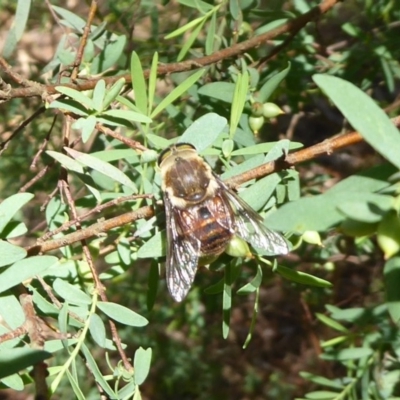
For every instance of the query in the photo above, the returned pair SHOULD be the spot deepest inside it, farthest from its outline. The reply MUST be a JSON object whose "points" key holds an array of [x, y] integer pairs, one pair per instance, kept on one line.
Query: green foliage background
{"points": [[320, 323]]}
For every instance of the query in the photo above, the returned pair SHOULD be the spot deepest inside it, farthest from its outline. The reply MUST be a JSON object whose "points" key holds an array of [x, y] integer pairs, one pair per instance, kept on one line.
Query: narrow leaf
{"points": [[103, 167], [113, 92], [17, 28], [98, 95], [122, 314], [185, 28], [66, 161], [268, 88], [138, 83], [301, 277], [152, 82], [76, 95], [178, 91], [128, 115]]}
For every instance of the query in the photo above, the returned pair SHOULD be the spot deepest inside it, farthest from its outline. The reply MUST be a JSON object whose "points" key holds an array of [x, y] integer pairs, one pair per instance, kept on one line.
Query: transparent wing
{"points": [[250, 226], [182, 256]]}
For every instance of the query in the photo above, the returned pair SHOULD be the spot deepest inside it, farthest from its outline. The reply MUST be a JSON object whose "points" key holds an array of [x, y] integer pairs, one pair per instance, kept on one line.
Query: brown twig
{"points": [[95, 210], [83, 41], [133, 144], [165, 69], [3, 145]]}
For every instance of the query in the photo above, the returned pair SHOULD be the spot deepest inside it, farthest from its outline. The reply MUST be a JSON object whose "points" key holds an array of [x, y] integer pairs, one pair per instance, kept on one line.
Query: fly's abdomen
{"points": [[201, 223]]}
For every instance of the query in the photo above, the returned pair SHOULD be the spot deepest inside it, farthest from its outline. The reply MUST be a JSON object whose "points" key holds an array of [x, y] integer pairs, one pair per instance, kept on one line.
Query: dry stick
{"points": [[95, 210], [3, 145], [83, 41], [133, 144], [16, 77], [328, 146], [44, 144], [230, 52]]}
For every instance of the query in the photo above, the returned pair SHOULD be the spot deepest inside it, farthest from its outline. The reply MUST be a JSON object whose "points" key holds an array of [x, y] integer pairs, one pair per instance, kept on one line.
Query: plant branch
{"points": [[291, 26]]}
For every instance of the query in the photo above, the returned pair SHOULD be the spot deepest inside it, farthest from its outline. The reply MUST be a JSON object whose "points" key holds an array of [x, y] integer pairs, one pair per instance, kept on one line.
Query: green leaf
{"points": [[87, 126], [98, 95], [11, 311], [157, 141], [391, 274], [113, 92], [73, 20], [152, 283], [302, 277], [216, 288], [154, 247], [102, 167], [364, 115], [227, 301], [331, 323], [323, 395], [25, 269], [69, 105], [321, 212], [152, 82], [122, 314], [141, 364], [94, 369], [138, 83], [353, 353], [259, 193], [239, 100], [218, 90], [185, 28], [234, 8], [97, 330], [269, 87], [204, 131], [109, 56], [238, 169], [187, 44], [15, 360], [177, 92], [369, 209], [67, 162], [321, 380], [71, 293], [253, 285], [211, 35], [75, 386], [10, 253], [17, 28], [128, 115], [76, 95], [11, 205], [14, 382]]}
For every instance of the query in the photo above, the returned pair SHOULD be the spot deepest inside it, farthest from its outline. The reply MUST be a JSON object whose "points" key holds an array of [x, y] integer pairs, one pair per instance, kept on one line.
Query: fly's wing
{"points": [[250, 226], [182, 256]]}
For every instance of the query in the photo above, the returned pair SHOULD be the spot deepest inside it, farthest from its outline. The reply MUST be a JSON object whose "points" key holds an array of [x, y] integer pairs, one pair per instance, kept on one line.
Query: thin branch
{"points": [[83, 41], [165, 69]]}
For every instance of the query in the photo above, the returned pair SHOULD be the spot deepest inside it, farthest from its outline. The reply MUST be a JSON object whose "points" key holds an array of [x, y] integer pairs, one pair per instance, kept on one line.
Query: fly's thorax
{"points": [[186, 178]]}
